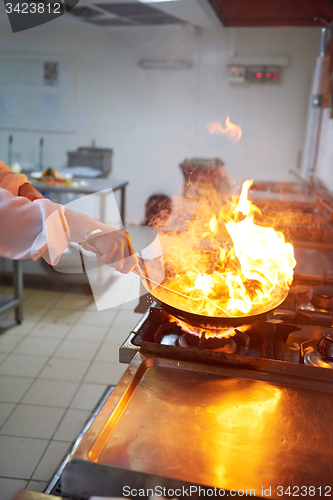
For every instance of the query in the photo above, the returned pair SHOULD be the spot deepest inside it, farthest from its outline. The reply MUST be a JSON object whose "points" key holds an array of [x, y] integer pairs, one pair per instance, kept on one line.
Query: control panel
{"points": [[254, 74], [256, 69]]}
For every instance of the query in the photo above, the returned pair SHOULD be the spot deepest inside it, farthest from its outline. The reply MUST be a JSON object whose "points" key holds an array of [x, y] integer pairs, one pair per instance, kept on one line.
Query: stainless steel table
{"points": [[14, 301], [92, 186]]}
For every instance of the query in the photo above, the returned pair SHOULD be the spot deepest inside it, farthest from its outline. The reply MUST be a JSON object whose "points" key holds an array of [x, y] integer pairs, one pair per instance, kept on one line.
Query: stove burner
{"points": [[206, 338], [325, 345], [321, 297], [228, 346]]}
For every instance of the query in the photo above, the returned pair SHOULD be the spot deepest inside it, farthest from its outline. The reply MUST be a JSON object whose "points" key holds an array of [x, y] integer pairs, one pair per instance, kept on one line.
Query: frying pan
{"points": [[176, 305], [210, 322]]}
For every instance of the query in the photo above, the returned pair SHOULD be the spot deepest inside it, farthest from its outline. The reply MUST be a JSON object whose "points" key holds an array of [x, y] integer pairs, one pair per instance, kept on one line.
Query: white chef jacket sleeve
{"points": [[11, 181], [32, 229]]}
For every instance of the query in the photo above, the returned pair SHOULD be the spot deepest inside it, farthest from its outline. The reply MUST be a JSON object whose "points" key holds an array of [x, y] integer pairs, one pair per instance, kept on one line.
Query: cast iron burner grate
{"points": [[261, 339]]}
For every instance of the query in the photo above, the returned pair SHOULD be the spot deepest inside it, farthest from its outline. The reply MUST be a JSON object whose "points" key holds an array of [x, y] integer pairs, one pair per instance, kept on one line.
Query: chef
{"points": [[32, 227]]}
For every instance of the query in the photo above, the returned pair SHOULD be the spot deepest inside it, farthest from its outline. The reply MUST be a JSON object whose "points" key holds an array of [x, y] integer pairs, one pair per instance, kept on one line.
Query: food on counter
{"points": [[51, 177]]}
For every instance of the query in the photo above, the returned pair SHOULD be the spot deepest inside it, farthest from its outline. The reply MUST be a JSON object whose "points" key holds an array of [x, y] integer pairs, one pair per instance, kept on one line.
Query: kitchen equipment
{"points": [[202, 321], [200, 174], [319, 100], [96, 158]]}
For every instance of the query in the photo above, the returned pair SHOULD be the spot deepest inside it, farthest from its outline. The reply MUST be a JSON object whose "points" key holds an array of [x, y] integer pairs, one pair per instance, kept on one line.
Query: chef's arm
{"points": [[29, 191], [11, 181], [17, 184], [44, 229]]}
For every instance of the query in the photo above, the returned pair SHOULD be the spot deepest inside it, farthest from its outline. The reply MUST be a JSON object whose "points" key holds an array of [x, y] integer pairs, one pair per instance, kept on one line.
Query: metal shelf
{"points": [[14, 301]]}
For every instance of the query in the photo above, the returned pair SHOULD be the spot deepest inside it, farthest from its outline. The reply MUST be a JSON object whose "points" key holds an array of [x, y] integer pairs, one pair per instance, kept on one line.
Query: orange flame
{"points": [[243, 269], [232, 131], [224, 332]]}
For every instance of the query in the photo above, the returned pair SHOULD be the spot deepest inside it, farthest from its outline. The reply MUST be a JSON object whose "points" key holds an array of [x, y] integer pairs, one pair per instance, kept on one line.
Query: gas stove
{"points": [[298, 331]]}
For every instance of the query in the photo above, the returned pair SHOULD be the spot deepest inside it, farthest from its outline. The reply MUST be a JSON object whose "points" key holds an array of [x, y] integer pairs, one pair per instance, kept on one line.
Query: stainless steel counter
{"points": [[170, 421]]}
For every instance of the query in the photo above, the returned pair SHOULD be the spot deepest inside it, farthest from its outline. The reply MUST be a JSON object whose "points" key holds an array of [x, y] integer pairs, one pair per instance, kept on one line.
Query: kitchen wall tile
{"points": [[20, 456], [76, 349], [88, 396], [13, 388], [99, 318], [71, 370], [8, 342], [71, 425], [5, 411], [90, 333], [32, 421], [51, 460], [37, 346], [109, 352], [10, 487], [105, 373], [38, 486], [23, 365], [58, 316], [50, 393], [50, 330]]}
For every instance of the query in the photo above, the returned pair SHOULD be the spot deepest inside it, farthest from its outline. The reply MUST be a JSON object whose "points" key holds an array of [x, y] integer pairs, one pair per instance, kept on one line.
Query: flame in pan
{"points": [[244, 269]]}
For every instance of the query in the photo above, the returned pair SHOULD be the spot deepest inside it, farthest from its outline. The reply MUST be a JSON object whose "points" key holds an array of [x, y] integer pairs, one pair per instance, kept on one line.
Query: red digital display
{"points": [[258, 75], [234, 69], [268, 75], [275, 75]]}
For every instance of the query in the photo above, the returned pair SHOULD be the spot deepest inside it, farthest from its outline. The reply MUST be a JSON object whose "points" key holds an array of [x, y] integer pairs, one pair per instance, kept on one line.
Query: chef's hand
{"points": [[112, 246], [30, 192]]}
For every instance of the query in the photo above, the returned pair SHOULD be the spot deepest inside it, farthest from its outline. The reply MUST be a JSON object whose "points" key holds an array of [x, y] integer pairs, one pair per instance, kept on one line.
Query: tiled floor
{"points": [[54, 368]]}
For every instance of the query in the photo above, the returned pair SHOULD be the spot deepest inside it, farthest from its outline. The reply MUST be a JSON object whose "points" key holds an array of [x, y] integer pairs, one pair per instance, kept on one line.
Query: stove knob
{"points": [[325, 344]]}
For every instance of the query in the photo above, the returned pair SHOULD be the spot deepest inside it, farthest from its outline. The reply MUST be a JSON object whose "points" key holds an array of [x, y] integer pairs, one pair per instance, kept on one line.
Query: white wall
{"points": [[154, 119]]}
